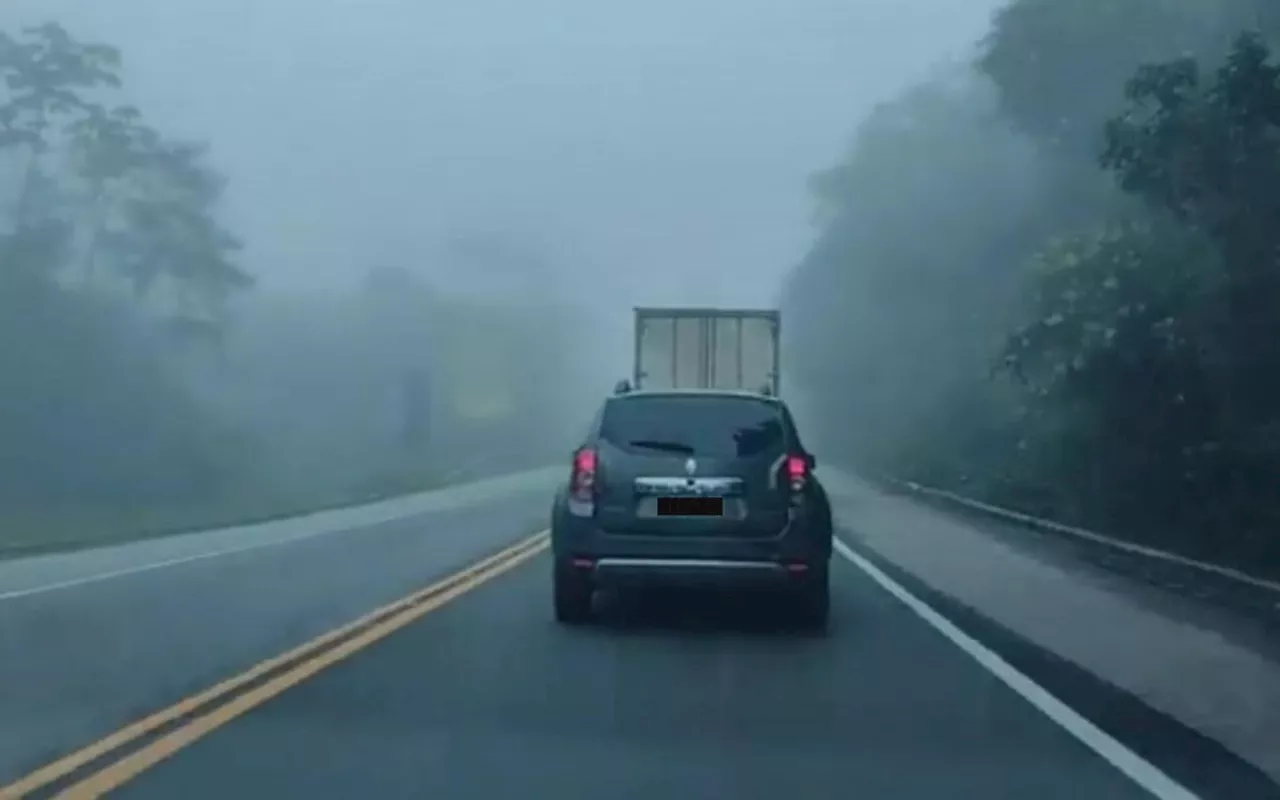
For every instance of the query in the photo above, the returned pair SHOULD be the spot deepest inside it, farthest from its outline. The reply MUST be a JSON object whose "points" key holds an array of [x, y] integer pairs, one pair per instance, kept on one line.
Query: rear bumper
{"points": [[691, 572], [720, 561]]}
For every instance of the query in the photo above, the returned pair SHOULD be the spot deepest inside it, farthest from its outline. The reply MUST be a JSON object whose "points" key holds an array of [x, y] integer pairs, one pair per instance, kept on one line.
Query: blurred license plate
{"points": [[690, 506]]}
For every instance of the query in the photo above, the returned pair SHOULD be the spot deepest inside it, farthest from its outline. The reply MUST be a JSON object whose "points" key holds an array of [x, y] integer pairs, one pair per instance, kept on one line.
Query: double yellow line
{"points": [[219, 704]]}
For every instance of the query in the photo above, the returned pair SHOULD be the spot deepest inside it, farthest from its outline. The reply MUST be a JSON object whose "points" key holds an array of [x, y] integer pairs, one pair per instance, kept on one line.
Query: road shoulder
{"points": [[1195, 761], [1201, 679]]}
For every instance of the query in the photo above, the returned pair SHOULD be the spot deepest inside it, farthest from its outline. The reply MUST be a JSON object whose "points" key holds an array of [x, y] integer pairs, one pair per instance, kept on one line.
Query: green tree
{"points": [[168, 237], [101, 197], [914, 272], [46, 73], [145, 207], [1207, 151], [1113, 371], [1060, 67], [1158, 335]]}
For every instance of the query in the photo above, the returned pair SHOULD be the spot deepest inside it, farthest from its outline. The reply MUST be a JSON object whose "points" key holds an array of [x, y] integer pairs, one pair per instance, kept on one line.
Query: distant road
{"points": [[455, 682]]}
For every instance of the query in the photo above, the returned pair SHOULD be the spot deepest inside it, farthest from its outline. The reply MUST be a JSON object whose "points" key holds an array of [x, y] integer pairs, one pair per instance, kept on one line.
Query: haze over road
{"points": [[264, 257], [483, 695]]}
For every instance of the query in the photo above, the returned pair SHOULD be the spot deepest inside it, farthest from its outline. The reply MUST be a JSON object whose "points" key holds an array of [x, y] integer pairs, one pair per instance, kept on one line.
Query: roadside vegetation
{"points": [[147, 382], [1053, 276]]}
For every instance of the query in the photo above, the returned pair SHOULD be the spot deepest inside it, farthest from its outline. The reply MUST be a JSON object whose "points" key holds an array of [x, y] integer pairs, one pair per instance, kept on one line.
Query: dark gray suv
{"points": [[692, 487]]}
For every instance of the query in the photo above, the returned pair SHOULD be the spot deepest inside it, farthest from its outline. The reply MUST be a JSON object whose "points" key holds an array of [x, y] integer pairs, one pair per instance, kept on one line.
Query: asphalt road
{"points": [[81, 656], [485, 697]]}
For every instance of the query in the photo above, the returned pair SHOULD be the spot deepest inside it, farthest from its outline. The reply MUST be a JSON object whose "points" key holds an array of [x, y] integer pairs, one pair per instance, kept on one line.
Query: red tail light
{"points": [[583, 480], [797, 473]]}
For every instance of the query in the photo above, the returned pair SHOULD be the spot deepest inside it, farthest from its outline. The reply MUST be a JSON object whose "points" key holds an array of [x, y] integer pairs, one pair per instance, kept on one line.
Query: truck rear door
{"points": [[743, 349], [706, 349]]}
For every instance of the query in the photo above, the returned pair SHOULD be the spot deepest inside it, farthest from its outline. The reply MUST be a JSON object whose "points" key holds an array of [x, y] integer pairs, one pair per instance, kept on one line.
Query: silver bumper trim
{"points": [[691, 563]]}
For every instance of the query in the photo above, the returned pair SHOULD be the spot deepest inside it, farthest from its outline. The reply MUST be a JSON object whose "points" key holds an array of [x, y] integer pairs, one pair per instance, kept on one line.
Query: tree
{"points": [[168, 237], [1159, 333], [1111, 229], [45, 72], [1060, 66], [914, 272], [1112, 351], [1208, 153], [102, 202], [143, 206]]}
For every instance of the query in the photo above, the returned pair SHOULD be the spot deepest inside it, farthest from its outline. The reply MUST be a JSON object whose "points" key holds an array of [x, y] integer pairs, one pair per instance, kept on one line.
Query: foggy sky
{"points": [[660, 148]]}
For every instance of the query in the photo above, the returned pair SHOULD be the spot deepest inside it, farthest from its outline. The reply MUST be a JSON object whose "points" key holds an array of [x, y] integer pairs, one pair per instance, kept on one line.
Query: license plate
{"points": [[690, 506]]}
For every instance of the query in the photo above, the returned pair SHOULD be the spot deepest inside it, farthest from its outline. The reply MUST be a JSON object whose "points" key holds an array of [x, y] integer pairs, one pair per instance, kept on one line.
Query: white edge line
{"points": [[1139, 770], [323, 530], [169, 562]]}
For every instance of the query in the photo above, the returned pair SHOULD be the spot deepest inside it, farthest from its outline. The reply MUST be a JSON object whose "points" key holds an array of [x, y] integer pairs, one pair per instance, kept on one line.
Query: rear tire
{"points": [[573, 594], [813, 601]]}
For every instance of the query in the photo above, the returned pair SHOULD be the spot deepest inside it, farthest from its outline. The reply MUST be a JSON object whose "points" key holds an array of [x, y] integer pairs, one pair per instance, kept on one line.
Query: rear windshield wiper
{"points": [[658, 444]]}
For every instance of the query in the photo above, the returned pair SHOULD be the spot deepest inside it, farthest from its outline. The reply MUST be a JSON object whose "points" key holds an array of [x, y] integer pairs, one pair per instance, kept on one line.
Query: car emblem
{"points": [[690, 466]]}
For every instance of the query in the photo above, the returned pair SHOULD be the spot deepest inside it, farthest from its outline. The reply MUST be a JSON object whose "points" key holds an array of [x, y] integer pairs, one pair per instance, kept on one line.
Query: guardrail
{"points": [[1050, 526]]}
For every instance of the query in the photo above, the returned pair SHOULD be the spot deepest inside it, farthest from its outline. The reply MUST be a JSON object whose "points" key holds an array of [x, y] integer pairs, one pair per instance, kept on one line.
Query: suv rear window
{"points": [[712, 427]]}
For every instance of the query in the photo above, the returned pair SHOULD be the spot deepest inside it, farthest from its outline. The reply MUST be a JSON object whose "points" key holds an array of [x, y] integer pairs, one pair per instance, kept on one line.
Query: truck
{"points": [[707, 348]]}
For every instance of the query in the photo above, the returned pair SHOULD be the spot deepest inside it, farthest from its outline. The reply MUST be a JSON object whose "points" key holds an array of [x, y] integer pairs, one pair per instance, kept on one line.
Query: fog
{"points": [[661, 146], [1038, 275], [448, 210]]}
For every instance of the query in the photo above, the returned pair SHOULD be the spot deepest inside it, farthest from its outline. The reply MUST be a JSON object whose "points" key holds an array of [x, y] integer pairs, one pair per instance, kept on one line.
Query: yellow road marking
{"points": [[314, 657]]}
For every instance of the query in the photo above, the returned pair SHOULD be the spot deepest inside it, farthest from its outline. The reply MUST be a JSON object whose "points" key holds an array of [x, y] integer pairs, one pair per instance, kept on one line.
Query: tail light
{"points": [[582, 481], [797, 468]]}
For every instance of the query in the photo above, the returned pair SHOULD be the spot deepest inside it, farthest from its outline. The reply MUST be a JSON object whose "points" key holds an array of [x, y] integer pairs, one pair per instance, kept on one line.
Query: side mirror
{"points": [[810, 460]]}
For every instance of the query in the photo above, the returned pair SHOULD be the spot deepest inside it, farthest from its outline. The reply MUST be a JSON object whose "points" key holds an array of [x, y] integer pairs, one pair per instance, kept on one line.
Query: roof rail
{"points": [[622, 387]]}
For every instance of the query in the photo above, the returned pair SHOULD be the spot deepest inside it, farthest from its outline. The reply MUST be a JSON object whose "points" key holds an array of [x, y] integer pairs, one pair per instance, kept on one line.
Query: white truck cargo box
{"points": [[704, 348]]}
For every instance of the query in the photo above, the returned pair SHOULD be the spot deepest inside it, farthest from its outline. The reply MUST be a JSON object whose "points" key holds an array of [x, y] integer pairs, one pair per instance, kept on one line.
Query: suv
{"points": [[694, 487]]}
